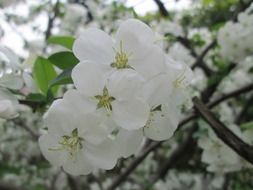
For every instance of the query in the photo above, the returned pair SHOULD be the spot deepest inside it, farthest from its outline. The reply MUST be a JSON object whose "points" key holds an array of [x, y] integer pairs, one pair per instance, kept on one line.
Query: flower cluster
{"points": [[235, 39], [127, 89]]}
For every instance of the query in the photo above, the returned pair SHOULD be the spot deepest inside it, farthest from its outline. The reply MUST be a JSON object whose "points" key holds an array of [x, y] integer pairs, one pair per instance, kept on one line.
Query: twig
{"points": [[138, 159], [225, 134], [162, 9], [51, 19], [176, 155], [199, 62], [209, 91], [21, 124], [4, 186], [244, 110]]}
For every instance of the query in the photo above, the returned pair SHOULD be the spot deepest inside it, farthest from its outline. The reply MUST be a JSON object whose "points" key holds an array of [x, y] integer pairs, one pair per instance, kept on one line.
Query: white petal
{"points": [[89, 78], [162, 125], [94, 128], [78, 165], [103, 155], [131, 114], [94, 45], [8, 104], [133, 32], [128, 142], [157, 90], [11, 81], [9, 56], [60, 119], [179, 70], [124, 84], [150, 62], [7, 95], [47, 145], [80, 104], [7, 109]]}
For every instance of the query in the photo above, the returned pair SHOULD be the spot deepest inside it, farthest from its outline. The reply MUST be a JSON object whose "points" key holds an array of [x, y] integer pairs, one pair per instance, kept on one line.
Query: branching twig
{"points": [[138, 159], [199, 62], [4, 186], [225, 134], [176, 155], [244, 110], [51, 19], [162, 9]]}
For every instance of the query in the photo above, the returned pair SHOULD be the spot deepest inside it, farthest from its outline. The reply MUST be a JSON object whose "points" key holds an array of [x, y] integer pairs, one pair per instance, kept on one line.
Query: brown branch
{"points": [[21, 124], [120, 179], [138, 159], [234, 93], [209, 91], [4, 186], [225, 134], [162, 9], [199, 62], [199, 58], [176, 155], [243, 114], [51, 19]]}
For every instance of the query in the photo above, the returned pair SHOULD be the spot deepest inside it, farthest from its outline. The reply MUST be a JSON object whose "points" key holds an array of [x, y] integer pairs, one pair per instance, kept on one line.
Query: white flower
{"points": [[235, 39], [8, 105], [74, 17], [165, 95], [179, 53], [8, 60], [11, 81], [219, 157], [128, 142], [133, 48], [113, 94], [77, 139]]}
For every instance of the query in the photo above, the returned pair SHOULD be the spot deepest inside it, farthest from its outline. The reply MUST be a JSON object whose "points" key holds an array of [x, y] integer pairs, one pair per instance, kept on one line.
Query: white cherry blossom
{"points": [[133, 48], [113, 93], [77, 139]]}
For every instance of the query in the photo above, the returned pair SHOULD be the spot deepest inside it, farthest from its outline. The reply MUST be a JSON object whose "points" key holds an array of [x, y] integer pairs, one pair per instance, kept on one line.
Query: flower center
{"points": [[72, 143], [121, 59], [105, 100], [179, 80], [152, 114]]}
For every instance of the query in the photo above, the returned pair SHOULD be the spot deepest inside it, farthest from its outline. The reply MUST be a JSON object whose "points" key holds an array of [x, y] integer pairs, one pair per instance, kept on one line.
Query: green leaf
{"points": [[65, 41], [36, 97], [248, 125], [63, 60], [43, 72], [63, 78]]}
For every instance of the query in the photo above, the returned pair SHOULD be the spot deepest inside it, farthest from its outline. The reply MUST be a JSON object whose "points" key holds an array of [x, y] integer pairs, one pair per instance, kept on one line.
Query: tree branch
{"points": [[4, 186], [199, 62], [51, 19], [225, 134], [176, 155], [162, 9], [138, 159]]}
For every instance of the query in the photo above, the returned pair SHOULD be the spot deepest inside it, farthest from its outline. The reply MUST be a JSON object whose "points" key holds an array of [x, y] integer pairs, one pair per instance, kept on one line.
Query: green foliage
{"points": [[65, 41], [248, 125], [44, 72], [63, 60], [211, 14], [197, 40], [63, 78], [36, 97]]}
